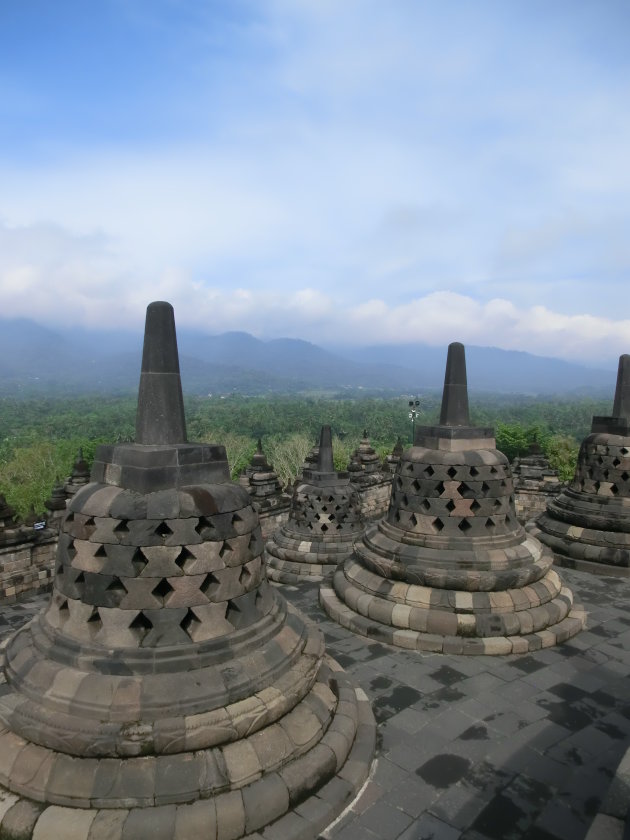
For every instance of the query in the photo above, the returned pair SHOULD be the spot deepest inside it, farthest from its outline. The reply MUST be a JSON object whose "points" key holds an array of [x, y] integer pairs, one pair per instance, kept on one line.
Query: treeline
{"points": [[39, 438]]}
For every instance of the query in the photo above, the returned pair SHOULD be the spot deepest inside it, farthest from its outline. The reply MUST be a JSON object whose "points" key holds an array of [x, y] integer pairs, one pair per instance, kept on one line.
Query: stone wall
{"points": [[375, 500], [530, 504], [27, 566]]}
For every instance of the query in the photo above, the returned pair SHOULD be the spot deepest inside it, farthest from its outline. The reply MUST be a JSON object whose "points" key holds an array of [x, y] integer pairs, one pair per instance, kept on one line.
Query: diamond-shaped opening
{"points": [[163, 530], [624, 476], [189, 623], [337, 507], [464, 526], [331, 518], [440, 488], [100, 551], [413, 520], [71, 550], [210, 585], [90, 524], [138, 561], [614, 489], [331, 499], [624, 450], [317, 516], [324, 528], [64, 609], [183, 557], [429, 471], [338, 527], [426, 504], [452, 472], [236, 518], [162, 590], [493, 470], [94, 622], [415, 484], [204, 528], [59, 570], [475, 506], [253, 543], [616, 462], [122, 527], [117, 586], [484, 488], [474, 471], [596, 485], [245, 576], [140, 625], [450, 505], [497, 503], [465, 491], [438, 524], [409, 468], [324, 509], [489, 523], [310, 526], [80, 579], [405, 500], [226, 548], [397, 516]]}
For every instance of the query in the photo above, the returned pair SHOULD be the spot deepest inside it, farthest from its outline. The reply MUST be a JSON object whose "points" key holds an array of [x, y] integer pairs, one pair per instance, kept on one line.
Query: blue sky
{"points": [[338, 170]]}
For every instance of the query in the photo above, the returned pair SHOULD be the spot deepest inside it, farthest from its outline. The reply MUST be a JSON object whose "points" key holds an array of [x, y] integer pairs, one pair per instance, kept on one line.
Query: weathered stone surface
{"points": [[449, 569], [166, 682], [587, 526], [325, 519]]}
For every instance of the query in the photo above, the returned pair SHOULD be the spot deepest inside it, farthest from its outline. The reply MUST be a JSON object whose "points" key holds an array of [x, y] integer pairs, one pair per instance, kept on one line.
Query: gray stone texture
{"points": [[324, 520], [450, 569], [587, 526], [164, 664]]}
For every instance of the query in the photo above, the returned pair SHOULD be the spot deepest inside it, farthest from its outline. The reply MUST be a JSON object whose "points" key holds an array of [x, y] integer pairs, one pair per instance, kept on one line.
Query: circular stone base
{"points": [[286, 571], [511, 627], [301, 797], [291, 560], [584, 549]]}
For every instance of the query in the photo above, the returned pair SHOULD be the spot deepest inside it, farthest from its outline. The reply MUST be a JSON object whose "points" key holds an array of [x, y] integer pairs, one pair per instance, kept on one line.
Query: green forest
{"points": [[40, 437]]}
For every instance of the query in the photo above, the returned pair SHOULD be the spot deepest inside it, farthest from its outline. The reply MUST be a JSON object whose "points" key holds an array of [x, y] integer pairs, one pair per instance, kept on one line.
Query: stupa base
{"points": [[298, 798], [584, 549], [290, 560], [420, 618]]}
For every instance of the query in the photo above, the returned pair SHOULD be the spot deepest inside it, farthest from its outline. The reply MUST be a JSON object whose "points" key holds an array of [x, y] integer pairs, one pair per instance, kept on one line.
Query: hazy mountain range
{"points": [[37, 359]]}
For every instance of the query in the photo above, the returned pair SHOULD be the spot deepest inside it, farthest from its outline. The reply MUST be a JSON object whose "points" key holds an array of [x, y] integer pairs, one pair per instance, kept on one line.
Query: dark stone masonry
{"points": [[167, 690], [536, 483], [268, 498], [450, 569], [372, 482], [588, 525], [324, 521]]}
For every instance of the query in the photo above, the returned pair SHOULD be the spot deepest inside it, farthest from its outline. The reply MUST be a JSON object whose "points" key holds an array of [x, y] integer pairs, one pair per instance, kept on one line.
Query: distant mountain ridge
{"points": [[37, 359]]}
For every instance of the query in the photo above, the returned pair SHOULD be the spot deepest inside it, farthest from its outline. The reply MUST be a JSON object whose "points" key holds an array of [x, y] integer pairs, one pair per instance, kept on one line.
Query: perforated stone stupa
{"points": [[450, 569], [168, 691], [268, 498], [324, 520], [588, 525], [372, 483]]}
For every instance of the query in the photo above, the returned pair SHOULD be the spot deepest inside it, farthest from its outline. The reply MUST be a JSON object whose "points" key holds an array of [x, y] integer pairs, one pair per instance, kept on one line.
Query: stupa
{"points": [[588, 525], [391, 461], [79, 477], [449, 569], [324, 520], [268, 498], [372, 483], [167, 690], [56, 506], [535, 483], [26, 555]]}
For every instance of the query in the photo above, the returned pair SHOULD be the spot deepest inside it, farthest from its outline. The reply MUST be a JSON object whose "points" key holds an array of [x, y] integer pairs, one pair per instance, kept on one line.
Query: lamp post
{"points": [[414, 411]]}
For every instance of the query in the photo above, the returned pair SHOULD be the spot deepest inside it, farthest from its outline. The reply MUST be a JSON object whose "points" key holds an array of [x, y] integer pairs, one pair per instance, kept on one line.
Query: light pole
{"points": [[414, 411]]}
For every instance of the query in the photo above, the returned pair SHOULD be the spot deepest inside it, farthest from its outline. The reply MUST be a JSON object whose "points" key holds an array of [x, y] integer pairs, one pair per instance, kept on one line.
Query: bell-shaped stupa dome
{"points": [[588, 525], [450, 568], [167, 689]]}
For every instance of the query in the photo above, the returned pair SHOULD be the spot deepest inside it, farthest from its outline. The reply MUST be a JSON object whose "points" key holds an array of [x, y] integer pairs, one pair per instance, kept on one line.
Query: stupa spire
{"points": [[160, 416], [325, 456], [455, 395], [621, 407]]}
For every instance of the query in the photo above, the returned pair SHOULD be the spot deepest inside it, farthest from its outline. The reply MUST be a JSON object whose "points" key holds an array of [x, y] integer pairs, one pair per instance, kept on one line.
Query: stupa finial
{"points": [[621, 407], [160, 416], [455, 395], [325, 456]]}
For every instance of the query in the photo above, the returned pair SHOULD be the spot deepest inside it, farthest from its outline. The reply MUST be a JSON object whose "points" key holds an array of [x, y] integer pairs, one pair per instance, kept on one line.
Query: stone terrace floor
{"points": [[485, 748]]}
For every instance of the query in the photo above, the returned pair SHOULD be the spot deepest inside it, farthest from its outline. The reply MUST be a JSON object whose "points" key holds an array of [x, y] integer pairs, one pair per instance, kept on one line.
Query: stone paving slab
{"points": [[483, 748]]}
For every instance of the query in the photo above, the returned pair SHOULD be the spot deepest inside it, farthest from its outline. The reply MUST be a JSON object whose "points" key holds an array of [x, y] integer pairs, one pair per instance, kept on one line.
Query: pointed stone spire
{"points": [[621, 406], [325, 455], [160, 416], [455, 395]]}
